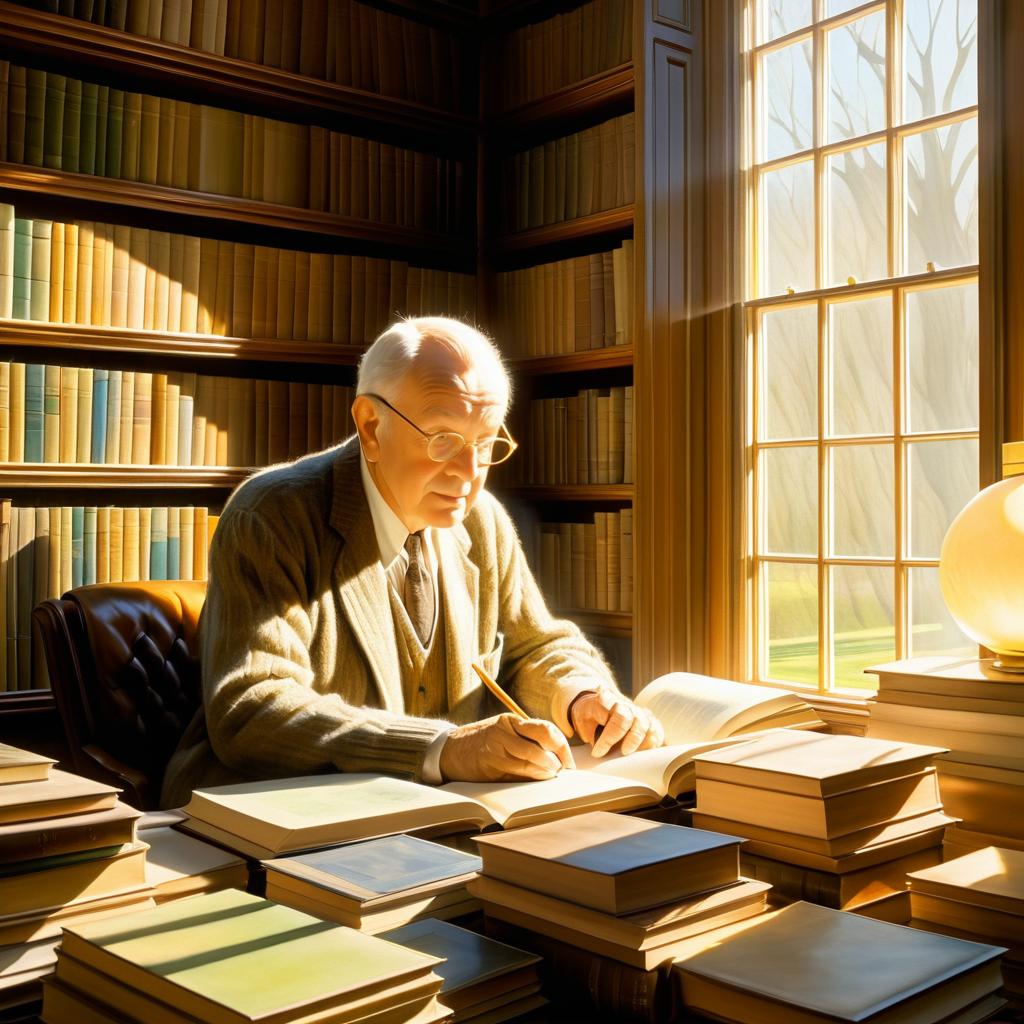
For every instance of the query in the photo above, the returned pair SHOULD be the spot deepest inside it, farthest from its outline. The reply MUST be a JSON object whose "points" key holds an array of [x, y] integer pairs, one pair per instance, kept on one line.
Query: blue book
{"points": [[88, 545], [158, 545], [77, 545], [100, 387], [33, 412]]}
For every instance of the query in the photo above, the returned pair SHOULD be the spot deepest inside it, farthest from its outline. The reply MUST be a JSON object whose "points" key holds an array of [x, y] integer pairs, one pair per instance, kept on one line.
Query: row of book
{"points": [[341, 41], [55, 121], [568, 305], [46, 551], [588, 565], [109, 275], [977, 712], [79, 415], [572, 176], [546, 56], [586, 438]]}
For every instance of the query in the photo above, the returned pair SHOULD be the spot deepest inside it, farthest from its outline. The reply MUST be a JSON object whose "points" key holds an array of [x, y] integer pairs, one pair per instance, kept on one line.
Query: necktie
{"points": [[419, 593]]}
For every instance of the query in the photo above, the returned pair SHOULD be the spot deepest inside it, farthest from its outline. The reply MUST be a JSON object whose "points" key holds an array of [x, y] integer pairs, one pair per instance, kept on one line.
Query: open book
{"points": [[267, 819]]}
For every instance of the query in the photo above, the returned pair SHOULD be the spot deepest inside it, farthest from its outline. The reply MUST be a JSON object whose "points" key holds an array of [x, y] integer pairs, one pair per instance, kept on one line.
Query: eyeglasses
{"points": [[442, 447]]}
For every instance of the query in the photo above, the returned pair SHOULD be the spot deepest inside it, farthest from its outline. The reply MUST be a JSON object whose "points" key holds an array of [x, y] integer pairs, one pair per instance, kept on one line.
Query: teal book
{"points": [[77, 545], [87, 134], [102, 114], [35, 116], [33, 412], [22, 299], [100, 388], [158, 545], [115, 132], [71, 126], [53, 121], [88, 544], [39, 294], [174, 544]]}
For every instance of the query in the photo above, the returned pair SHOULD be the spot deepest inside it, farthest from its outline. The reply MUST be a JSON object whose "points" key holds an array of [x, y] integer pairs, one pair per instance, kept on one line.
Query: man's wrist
{"points": [[572, 707]]}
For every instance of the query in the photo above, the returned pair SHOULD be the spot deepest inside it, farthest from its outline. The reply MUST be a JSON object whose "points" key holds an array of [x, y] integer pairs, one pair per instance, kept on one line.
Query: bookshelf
{"points": [[377, 220]]}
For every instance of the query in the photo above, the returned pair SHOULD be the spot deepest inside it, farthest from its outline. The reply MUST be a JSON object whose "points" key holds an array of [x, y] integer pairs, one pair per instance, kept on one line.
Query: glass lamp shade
{"points": [[981, 571]]}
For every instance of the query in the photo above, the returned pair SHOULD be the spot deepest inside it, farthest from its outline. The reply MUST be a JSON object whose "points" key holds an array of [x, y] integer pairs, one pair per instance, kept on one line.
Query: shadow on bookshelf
{"points": [[617, 223], [21, 475]]}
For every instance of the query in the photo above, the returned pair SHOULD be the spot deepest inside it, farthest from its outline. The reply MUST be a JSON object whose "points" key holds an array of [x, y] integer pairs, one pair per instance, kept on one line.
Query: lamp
{"points": [[981, 571]]}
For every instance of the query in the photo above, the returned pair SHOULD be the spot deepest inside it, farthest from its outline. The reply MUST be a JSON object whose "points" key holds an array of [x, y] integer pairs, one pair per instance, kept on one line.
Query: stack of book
{"points": [[631, 891], [811, 964], [378, 884], [978, 896], [977, 712], [836, 820], [484, 982], [178, 865], [233, 958]]}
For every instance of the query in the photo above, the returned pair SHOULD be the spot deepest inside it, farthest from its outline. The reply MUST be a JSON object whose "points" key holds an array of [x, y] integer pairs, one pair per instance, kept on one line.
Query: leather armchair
{"points": [[124, 669]]}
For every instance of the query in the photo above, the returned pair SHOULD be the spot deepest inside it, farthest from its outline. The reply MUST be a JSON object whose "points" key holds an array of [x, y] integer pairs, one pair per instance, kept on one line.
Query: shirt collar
{"points": [[390, 530]]}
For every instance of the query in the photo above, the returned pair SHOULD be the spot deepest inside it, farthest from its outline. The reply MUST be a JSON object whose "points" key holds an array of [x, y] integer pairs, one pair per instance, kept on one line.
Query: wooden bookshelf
{"points": [[210, 347], [569, 492], [177, 202], [610, 358], [22, 475], [611, 223], [269, 91]]}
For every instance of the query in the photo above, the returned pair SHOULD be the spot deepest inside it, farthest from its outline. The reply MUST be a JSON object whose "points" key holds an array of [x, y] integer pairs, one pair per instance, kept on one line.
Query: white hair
{"points": [[392, 355]]}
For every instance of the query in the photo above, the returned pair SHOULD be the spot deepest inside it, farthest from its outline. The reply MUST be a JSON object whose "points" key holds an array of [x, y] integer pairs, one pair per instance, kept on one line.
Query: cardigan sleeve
{"points": [[264, 716]]}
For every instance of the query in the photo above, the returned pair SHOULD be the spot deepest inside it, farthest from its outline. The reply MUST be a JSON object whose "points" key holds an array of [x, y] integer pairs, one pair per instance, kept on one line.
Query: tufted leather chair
{"points": [[124, 669]]}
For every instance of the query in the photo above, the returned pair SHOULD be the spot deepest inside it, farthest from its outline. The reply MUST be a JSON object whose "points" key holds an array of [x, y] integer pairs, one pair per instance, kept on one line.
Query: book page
{"points": [[693, 707]]}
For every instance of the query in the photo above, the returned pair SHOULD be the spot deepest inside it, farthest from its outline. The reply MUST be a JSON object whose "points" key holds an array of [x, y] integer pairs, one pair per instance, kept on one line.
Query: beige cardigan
{"points": [[300, 659]]}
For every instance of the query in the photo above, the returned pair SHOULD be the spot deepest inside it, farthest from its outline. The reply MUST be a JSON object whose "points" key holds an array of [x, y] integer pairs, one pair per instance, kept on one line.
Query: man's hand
{"points": [[604, 718], [504, 749]]}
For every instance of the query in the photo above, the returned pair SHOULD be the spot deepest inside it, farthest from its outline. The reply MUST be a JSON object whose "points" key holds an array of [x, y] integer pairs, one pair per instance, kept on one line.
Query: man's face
{"points": [[437, 395]]}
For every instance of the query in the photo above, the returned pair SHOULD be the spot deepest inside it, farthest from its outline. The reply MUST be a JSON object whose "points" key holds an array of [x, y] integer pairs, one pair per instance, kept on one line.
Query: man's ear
{"points": [[367, 421]]}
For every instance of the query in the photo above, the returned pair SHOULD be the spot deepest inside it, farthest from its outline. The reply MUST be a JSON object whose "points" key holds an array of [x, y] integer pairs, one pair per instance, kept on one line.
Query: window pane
{"points": [[860, 336], [932, 629], [942, 476], [942, 358], [787, 101], [778, 18], [863, 622], [940, 56], [856, 226], [791, 609], [789, 374], [789, 489], [786, 258], [856, 69], [863, 521], [941, 207], [841, 6]]}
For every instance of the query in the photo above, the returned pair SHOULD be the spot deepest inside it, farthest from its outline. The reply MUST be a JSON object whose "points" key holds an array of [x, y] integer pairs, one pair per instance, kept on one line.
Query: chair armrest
{"points": [[136, 785]]}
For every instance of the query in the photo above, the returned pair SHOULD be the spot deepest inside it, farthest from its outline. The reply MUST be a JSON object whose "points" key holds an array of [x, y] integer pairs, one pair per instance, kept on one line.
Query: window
{"points": [[862, 318]]}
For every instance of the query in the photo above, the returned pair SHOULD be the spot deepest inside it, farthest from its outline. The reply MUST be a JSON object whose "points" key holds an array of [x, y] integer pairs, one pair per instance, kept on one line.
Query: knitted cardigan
{"points": [[300, 662]]}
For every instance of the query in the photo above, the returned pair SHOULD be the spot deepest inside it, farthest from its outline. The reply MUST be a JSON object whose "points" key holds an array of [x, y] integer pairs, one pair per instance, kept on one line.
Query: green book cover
{"points": [[39, 293], [131, 137], [158, 545], [35, 116], [102, 116], [17, 103], [87, 152], [71, 131], [115, 132], [77, 545], [53, 121], [22, 297], [223, 941], [34, 412], [88, 544]]}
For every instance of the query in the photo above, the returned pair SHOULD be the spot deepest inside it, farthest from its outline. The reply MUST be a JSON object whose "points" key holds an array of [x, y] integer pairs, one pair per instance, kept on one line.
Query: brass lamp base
{"points": [[1010, 663]]}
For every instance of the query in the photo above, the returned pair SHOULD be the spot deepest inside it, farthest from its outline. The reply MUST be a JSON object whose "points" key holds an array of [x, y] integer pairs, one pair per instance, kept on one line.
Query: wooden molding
{"points": [[21, 475], [609, 222], [612, 357]]}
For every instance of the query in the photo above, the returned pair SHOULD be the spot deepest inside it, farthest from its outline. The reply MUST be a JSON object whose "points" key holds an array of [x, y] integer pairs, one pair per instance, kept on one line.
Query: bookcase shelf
{"points": [[21, 475], [201, 346], [569, 492], [617, 222], [606, 623], [612, 357], [271, 90], [179, 202], [612, 89]]}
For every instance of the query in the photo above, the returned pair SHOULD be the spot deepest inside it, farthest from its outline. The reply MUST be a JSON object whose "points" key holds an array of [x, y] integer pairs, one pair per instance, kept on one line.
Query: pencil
{"points": [[499, 693]]}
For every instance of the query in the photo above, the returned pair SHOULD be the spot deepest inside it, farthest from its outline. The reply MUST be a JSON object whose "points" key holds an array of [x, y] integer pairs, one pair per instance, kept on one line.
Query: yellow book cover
{"points": [[86, 259], [273, 272], [53, 580], [190, 285], [103, 544], [121, 271], [222, 404], [70, 302], [106, 254], [51, 414], [142, 419], [260, 284], [138, 263], [116, 544], [68, 413], [242, 296], [314, 417], [157, 308], [285, 295], [200, 543], [187, 518], [341, 300], [175, 283], [16, 445], [149, 139], [5, 411], [259, 419], [208, 252], [165, 140], [225, 288], [158, 422], [131, 136], [235, 426], [182, 143], [40, 564], [127, 424], [301, 300], [83, 435], [171, 456], [112, 447], [296, 419], [145, 541], [66, 553], [56, 314], [5, 556]]}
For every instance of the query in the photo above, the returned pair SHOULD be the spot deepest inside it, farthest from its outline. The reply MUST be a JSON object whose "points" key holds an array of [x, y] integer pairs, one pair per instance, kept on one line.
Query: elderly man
{"points": [[352, 591]]}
